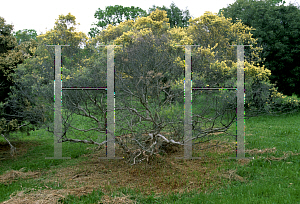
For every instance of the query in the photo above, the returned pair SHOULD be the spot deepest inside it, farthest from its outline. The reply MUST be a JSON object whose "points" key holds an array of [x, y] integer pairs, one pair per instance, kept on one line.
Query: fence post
{"points": [[240, 121], [188, 146], [57, 105], [110, 127]]}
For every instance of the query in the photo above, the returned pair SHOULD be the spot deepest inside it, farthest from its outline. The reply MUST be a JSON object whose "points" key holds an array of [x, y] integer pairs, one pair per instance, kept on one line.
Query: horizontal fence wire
{"points": [[214, 88], [95, 88], [79, 88]]}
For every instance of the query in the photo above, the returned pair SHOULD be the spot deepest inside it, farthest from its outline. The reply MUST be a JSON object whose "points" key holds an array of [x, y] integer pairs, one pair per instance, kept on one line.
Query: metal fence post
{"points": [[110, 127], [240, 121], [57, 106], [188, 146]]}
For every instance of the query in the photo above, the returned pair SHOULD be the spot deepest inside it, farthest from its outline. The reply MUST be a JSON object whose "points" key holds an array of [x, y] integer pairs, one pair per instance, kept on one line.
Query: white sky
{"points": [[41, 15]]}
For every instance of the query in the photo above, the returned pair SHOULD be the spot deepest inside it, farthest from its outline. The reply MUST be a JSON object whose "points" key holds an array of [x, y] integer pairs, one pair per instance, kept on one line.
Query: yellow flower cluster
{"points": [[179, 84], [292, 101]]}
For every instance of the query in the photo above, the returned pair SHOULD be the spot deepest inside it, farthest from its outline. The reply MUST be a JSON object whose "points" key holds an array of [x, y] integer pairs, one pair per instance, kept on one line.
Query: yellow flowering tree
{"points": [[150, 63], [34, 77]]}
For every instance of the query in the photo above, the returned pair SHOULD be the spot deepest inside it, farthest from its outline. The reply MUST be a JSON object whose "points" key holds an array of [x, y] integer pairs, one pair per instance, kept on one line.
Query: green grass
{"points": [[271, 181], [34, 160]]}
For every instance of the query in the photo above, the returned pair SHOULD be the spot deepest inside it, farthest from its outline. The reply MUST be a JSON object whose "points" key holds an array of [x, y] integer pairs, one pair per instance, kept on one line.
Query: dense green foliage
{"points": [[11, 55], [277, 29], [114, 15], [176, 16], [25, 35], [7, 44]]}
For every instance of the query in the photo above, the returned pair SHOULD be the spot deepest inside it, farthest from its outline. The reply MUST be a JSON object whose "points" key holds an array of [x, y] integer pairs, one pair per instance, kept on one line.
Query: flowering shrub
{"points": [[259, 92]]}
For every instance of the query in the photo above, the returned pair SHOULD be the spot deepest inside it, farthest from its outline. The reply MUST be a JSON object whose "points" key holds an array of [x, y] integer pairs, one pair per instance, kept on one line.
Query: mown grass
{"points": [[271, 181], [273, 177]]}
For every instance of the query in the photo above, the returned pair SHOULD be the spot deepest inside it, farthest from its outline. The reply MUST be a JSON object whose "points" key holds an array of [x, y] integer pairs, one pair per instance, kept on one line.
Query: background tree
{"points": [[64, 33], [11, 55], [25, 35], [7, 45], [276, 28], [176, 16], [276, 2], [114, 15], [23, 103]]}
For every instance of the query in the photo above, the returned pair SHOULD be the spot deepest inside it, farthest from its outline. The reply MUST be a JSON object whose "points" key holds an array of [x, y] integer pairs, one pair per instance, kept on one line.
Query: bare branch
{"points": [[97, 129], [136, 112], [13, 150], [84, 141]]}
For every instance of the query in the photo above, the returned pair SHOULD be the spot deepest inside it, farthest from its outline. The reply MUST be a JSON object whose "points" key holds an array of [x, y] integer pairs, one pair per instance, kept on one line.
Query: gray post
{"points": [[57, 106], [188, 146], [188, 105], [240, 103], [240, 141], [110, 129]]}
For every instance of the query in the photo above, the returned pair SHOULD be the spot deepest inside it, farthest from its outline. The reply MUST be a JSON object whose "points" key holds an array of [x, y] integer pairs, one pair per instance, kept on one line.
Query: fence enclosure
{"points": [[110, 126]]}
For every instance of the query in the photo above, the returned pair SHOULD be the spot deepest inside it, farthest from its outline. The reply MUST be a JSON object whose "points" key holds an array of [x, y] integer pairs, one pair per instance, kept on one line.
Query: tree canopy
{"points": [[115, 14], [35, 68], [12, 54], [176, 16], [25, 35], [276, 28]]}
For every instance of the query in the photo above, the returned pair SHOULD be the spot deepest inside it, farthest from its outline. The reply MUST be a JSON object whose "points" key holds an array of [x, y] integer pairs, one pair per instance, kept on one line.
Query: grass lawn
{"points": [[272, 177]]}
